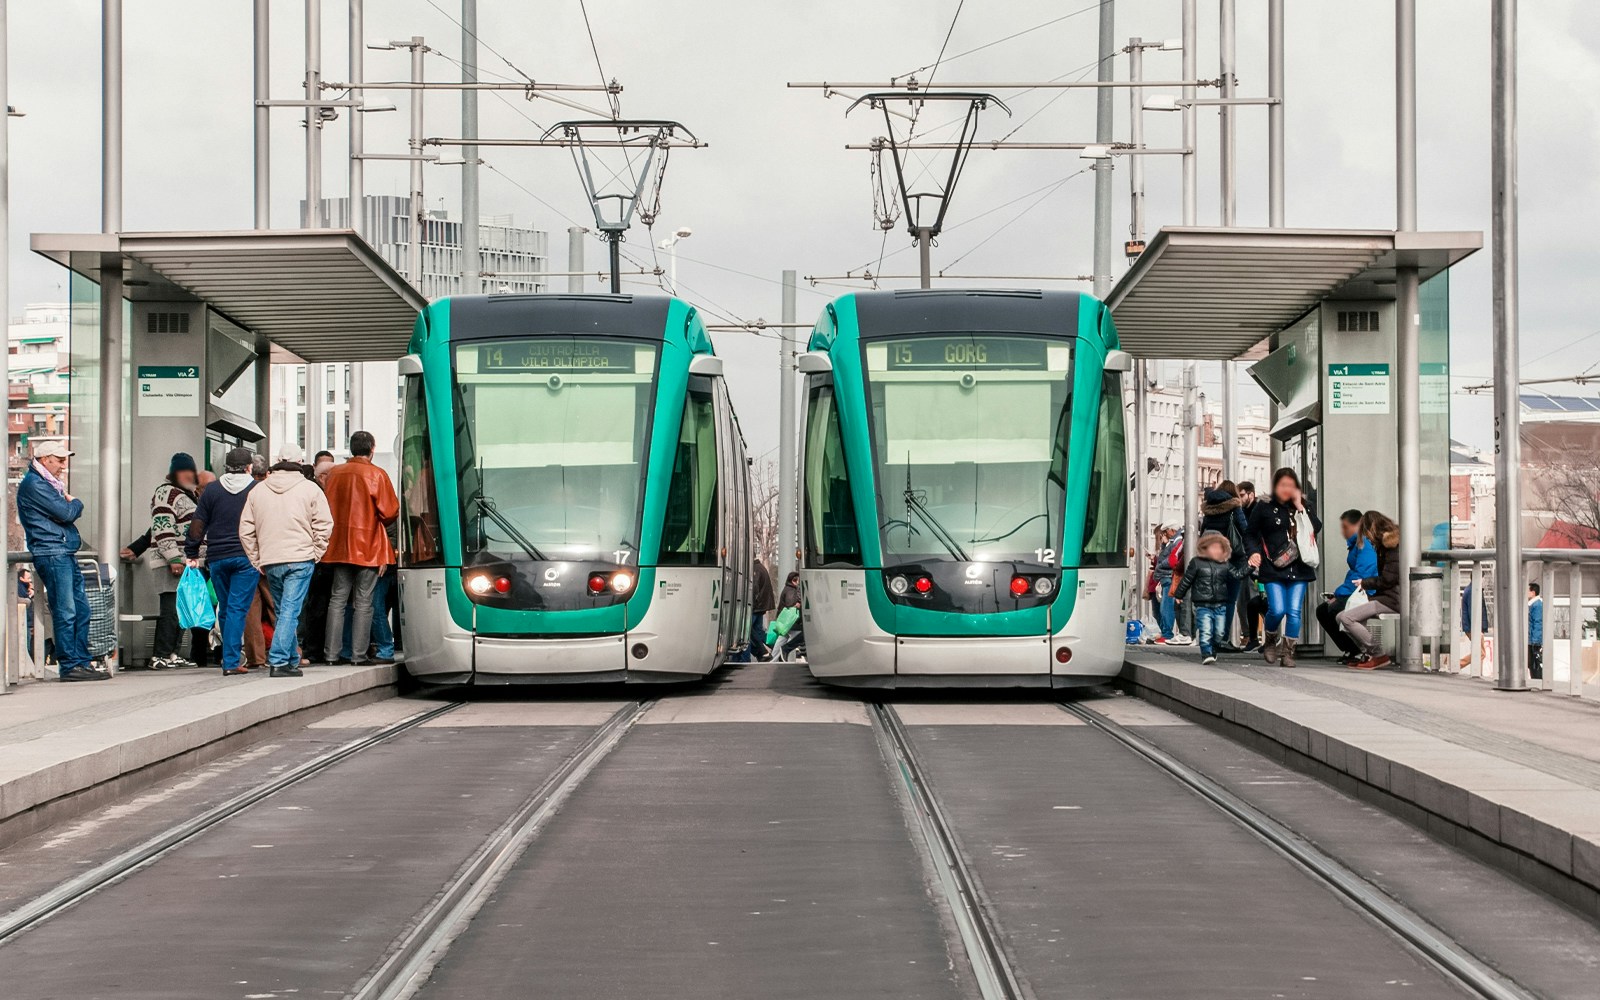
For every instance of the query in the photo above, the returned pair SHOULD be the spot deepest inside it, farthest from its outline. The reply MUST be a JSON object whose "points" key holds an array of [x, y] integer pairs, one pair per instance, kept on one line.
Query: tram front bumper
{"points": [[549, 660]]}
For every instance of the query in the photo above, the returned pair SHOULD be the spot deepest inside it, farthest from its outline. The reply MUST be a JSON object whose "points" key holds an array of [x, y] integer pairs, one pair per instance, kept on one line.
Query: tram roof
{"points": [[318, 295], [1216, 293]]}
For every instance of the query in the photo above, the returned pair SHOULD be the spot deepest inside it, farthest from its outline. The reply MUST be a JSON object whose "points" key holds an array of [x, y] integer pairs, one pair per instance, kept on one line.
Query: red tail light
{"points": [[923, 585], [1063, 655], [597, 583], [502, 584], [1020, 586]]}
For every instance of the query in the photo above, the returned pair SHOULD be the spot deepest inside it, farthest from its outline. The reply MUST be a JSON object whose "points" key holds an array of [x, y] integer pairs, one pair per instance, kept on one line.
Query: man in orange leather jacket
{"points": [[363, 502]]}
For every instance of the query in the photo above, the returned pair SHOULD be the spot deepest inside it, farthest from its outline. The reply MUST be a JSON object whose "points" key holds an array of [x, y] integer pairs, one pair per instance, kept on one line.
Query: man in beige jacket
{"points": [[284, 530]]}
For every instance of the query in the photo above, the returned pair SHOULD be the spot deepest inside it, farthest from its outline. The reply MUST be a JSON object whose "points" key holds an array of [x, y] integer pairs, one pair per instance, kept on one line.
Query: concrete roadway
{"points": [[744, 840]]}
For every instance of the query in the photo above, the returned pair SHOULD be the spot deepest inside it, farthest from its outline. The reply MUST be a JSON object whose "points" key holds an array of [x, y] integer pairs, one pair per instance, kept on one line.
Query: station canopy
{"points": [[318, 295], [1204, 294]]}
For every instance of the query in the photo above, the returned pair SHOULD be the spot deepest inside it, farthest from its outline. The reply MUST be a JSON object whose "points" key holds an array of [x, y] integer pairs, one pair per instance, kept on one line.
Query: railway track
{"points": [[63, 896], [405, 968]]}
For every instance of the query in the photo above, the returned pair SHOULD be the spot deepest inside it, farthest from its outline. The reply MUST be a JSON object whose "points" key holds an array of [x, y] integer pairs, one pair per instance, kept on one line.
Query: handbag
{"points": [[195, 609], [1306, 539], [1357, 598]]}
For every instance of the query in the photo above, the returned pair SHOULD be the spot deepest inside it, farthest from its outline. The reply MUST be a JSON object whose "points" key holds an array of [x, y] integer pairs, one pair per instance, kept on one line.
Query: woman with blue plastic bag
{"points": [[171, 507], [1283, 550]]}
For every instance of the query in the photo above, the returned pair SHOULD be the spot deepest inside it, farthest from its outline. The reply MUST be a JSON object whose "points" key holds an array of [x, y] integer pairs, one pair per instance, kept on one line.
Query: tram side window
{"points": [[1105, 529], [830, 515], [689, 534], [418, 494]]}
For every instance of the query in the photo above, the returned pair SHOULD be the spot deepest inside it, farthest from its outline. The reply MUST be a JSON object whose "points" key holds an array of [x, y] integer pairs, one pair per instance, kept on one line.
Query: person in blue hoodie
{"points": [[1535, 633], [49, 516], [1362, 560]]}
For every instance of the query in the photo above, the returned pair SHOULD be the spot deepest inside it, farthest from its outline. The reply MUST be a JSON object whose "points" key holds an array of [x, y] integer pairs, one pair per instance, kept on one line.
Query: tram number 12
{"points": [[1045, 555]]}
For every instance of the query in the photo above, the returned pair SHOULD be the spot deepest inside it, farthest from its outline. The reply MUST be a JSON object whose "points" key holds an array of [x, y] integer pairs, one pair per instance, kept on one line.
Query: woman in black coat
{"points": [[1275, 553]]}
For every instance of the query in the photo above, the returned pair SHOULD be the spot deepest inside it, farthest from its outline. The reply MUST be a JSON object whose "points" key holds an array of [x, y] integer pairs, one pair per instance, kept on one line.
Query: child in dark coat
{"points": [[1208, 583]]}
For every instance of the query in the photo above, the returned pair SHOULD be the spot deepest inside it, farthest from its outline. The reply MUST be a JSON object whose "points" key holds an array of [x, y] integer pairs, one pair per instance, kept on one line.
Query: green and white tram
{"points": [[965, 491], [575, 498]]}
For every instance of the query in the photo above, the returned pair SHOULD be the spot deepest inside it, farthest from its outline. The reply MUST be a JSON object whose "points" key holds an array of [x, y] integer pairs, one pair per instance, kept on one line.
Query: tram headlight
{"points": [[898, 585], [1044, 586], [621, 582], [479, 584]]}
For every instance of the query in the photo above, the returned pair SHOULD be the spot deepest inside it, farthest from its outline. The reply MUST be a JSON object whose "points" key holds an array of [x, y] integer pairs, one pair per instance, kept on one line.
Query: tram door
{"points": [[733, 501]]}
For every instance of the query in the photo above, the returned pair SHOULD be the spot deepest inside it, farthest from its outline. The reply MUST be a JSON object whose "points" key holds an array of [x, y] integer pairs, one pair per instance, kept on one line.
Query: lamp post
{"points": [[670, 245]]}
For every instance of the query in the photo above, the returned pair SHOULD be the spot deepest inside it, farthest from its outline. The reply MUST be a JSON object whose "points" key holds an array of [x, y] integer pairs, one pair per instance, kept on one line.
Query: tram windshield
{"points": [[969, 440], [550, 436]]}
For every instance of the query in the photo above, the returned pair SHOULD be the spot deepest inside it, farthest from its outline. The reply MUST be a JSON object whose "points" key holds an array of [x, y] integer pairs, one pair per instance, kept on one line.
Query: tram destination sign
{"points": [[556, 356], [1013, 353]]}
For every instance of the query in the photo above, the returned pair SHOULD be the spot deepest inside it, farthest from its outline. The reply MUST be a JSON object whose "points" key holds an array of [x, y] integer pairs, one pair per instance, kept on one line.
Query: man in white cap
{"points": [[49, 516], [284, 529]]}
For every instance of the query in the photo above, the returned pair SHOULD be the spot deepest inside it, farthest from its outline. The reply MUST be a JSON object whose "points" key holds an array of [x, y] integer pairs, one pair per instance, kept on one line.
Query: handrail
{"points": [[1528, 555]]}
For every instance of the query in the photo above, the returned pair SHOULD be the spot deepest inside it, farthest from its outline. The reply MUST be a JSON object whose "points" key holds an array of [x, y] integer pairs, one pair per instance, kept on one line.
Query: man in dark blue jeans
{"points": [[215, 524], [49, 517]]}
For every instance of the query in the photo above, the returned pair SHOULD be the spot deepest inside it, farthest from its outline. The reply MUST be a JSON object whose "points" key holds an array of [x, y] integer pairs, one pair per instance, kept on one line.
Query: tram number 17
{"points": [[621, 556]]}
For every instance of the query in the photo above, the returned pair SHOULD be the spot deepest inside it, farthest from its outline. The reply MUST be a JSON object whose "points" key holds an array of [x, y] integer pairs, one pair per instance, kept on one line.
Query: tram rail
{"points": [[63, 896], [412, 957], [1423, 937], [980, 933]]}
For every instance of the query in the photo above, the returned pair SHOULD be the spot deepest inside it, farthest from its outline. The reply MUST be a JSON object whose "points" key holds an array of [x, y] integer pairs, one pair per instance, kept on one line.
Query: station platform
{"points": [[1512, 778], [68, 748]]}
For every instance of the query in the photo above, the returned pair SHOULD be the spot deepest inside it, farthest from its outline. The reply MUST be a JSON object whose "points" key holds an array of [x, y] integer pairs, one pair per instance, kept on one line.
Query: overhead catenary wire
{"points": [[616, 106], [1007, 38]]}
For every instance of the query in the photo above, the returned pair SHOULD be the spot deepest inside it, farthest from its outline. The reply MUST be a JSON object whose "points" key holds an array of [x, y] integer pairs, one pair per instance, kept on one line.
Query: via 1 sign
{"points": [[169, 391], [1358, 388]]}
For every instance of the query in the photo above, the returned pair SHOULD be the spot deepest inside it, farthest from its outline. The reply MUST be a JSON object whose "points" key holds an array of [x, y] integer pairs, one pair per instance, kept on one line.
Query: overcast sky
{"points": [[776, 189]]}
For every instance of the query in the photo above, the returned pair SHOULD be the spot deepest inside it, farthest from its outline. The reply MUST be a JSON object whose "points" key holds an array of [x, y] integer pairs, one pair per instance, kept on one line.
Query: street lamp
{"points": [[670, 245]]}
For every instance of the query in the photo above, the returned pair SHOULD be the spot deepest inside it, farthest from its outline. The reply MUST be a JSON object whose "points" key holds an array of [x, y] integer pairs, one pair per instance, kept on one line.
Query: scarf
{"points": [[44, 474]]}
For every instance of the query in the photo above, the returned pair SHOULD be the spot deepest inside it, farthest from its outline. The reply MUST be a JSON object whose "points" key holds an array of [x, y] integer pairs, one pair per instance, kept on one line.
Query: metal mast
{"points": [[471, 259], [1408, 382], [111, 343], [788, 440], [1512, 620], [1102, 165]]}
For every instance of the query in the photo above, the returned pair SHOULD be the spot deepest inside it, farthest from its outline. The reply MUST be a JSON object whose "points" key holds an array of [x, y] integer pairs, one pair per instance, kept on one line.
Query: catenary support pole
{"points": [[471, 259], [575, 258], [1136, 138], [263, 115], [1511, 619], [924, 255], [312, 218], [7, 606], [1191, 170], [614, 246], [418, 206], [109, 535], [1102, 166], [1407, 332], [1275, 113], [358, 128], [1143, 530], [1228, 155], [788, 440]]}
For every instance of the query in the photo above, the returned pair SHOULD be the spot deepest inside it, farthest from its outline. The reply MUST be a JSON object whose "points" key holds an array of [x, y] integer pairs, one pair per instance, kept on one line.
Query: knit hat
{"points": [[181, 462]]}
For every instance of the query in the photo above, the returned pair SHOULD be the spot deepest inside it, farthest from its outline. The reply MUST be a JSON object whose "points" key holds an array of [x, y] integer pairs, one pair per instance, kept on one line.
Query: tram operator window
{"points": [[969, 443], [1105, 529], [550, 436], [420, 545]]}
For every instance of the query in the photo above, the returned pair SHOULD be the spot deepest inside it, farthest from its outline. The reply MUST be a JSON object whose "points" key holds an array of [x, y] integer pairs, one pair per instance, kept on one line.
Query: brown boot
{"points": [[1287, 651], [1269, 649]]}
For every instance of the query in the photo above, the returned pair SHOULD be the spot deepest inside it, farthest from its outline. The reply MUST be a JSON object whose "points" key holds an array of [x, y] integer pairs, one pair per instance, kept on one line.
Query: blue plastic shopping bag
{"points": [[194, 600]]}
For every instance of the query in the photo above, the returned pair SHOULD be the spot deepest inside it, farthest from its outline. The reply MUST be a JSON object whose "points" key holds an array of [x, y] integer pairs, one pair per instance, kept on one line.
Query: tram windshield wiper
{"points": [[915, 505], [488, 507]]}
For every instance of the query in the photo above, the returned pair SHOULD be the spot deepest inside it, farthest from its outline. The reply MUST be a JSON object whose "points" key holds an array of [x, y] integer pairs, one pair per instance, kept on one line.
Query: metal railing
{"points": [[1564, 667], [22, 659]]}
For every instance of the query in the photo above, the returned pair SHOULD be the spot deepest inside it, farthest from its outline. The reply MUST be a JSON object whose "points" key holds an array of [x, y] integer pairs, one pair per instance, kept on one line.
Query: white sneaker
{"points": [[1180, 640], [1208, 661]]}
